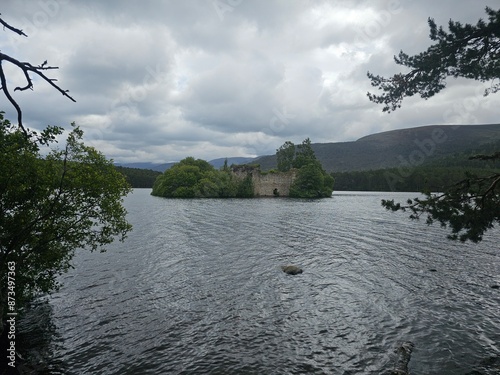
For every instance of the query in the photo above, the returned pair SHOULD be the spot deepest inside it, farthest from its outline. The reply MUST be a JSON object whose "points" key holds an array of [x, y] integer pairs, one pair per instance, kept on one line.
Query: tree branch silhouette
{"points": [[27, 69], [472, 206]]}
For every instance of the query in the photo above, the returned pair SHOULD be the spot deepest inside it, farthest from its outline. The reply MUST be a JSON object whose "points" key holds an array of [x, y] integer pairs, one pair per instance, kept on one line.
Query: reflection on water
{"points": [[197, 289]]}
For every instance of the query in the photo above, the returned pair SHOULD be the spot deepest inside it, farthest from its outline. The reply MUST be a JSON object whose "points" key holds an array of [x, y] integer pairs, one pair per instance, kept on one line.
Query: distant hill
{"points": [[150, 166], [217, 163], [413, 146]]}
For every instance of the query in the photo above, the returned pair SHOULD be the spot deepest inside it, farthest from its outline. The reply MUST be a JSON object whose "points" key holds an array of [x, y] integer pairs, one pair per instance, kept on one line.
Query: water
{"points": [[197, 289]]}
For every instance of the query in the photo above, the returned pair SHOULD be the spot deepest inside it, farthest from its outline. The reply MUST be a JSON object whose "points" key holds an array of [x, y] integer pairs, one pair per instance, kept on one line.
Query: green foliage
{"points": [[228, 185], [469, 51], [52, 205], [312, 182], [305, 154], [285, 156], [139, 178], [196, 178], [245, 188], [288, 157], [328, 183], [471, 206], [425, 178], [225, 167]]}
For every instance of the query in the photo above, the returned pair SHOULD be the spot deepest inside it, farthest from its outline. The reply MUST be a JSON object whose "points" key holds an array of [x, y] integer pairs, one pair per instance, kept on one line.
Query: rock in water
{"points": [[291, 270]]}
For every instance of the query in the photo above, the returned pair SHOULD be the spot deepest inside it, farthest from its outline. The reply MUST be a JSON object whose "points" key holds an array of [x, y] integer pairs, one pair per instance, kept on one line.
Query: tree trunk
{"points": [[404, 356]]}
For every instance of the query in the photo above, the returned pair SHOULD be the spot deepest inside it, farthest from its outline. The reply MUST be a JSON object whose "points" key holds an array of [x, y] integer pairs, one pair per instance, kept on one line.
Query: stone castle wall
{"points": [[267, 184]]}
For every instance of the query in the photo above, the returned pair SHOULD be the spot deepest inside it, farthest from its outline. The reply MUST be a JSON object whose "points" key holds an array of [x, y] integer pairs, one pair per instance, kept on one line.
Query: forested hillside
{"points": [[392, 149], [434, 179], [139, 178], [437, 174]]}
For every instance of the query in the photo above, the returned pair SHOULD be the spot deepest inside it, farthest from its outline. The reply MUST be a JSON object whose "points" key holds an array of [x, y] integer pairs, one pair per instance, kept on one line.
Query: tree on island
{"points": [[305, 154], [312, 181], [471, 206], [285, 156], [53, 200], [197, 178]]}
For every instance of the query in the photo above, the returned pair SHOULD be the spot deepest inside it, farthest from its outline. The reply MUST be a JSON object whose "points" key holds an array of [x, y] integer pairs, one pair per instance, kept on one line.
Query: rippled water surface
{"points": [[197, 289]]}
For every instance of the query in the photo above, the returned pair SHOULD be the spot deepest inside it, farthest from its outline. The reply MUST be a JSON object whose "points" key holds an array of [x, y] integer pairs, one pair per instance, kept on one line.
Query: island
{"points": [[299, 175]]}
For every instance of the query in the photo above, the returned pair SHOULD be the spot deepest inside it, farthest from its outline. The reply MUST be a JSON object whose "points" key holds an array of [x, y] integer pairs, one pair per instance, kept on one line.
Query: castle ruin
{"points": [[269, 184]]}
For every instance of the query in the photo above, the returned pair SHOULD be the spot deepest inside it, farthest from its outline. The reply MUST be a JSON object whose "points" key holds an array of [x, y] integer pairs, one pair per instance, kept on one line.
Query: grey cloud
{"points": [[164, 80]]}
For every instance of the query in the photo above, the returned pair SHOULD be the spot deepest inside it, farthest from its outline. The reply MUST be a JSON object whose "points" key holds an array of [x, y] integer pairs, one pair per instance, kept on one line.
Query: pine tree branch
{"points": [[492, 186], [468, 51]]}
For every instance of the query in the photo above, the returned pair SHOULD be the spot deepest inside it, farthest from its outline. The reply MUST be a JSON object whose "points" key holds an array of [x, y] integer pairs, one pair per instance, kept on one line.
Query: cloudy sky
{"points": [[156, 81]]}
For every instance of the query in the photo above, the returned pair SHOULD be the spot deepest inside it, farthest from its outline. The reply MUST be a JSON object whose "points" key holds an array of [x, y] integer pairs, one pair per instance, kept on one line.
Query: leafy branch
{"points": [[469, 207], [468, 51]]}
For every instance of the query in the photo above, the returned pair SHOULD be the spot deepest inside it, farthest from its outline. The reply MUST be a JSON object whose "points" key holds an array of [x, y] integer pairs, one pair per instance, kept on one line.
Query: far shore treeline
{"points": [[138, 177], [436, 175], [419, 179]]}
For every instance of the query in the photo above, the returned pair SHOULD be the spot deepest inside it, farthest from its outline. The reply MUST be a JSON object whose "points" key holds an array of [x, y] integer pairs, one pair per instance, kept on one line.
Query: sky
{"points": [[157, 81]]}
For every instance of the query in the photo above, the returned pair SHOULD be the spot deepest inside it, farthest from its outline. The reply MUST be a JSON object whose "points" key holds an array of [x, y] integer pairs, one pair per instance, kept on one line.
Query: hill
{"points": [[148, 166], [401, 148], [217, 163]]}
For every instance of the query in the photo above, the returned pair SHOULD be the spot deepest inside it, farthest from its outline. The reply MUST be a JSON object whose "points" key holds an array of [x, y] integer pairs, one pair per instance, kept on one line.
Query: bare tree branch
{"points": [[26, 68], [11, 99], [11, 28]]}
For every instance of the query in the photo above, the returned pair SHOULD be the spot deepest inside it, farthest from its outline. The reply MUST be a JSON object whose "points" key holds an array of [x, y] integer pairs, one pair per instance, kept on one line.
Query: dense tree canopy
{"points": [[290, 156], [471, 206], [285, 156], [51, 205], [196, 178], [312, 181], [139, 178], [423, 178], [304, 155]]}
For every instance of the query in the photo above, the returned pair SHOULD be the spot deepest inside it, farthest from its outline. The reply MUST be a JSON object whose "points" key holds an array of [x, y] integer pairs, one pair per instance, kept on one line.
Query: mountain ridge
{"points": [[394, 148], [400, 148]]}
